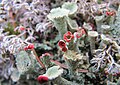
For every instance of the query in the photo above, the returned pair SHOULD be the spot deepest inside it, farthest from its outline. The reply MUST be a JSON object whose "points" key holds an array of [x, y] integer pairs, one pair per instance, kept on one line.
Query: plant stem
{"points": [[38, 59]]}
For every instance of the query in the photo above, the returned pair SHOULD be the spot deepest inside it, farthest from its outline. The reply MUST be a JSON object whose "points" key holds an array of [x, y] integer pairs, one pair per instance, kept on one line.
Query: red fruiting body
{"points": [[80, 33], [83, 31], [42, 79], [31, 46], [22, 28], [110, 13], [68, 36], [115, 74], [61, 44], [26, 48], [64, 49], [92, 25], [118, 73]]}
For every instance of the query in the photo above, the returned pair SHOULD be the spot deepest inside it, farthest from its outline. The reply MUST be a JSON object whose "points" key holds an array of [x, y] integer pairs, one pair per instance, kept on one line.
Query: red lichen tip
{"points": [[108, 13], [68, 36], [25, 48], [42, 79], [22, 28], [61, 44], [64, 49], [80, 33], [29, 47]]}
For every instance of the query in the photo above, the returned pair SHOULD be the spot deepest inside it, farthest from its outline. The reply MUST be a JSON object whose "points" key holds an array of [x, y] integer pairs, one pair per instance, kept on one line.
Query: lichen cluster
{"points": [[53, 42]]}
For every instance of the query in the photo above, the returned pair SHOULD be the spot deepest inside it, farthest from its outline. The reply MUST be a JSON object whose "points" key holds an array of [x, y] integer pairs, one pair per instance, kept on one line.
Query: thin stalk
{"points": [[38, 59]]}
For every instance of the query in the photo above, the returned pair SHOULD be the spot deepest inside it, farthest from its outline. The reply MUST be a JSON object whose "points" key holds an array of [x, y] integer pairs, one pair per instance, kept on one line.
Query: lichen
{"points": [[71, 6], [23, 62], [116, 26]]}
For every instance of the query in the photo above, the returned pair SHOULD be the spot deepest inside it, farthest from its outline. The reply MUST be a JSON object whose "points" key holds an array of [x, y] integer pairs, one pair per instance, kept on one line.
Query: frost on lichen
{"points": [[23, 62]]}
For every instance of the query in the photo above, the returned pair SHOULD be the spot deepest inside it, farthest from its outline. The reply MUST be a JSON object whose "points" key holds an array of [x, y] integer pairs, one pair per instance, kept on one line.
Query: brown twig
{"points": [[38, 59], [59, 64], [66, 67]]}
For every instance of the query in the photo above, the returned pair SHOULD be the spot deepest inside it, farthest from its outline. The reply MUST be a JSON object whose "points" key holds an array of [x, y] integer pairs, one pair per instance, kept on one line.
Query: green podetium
{"points": [[60, 17]]}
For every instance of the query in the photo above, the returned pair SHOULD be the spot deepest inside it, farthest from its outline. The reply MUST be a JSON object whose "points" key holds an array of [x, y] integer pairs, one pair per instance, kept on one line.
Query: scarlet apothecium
{"points": [[80, 33], [68, 36], [29, 47], [42, 79], [61, 44]]}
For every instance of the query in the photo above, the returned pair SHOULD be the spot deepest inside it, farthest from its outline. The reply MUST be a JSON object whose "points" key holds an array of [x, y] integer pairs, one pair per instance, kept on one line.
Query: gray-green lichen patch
{"points": [[23, 62]]}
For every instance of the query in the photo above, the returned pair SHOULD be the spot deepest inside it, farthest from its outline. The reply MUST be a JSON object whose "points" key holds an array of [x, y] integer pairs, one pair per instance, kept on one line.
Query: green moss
{"points": [[10, 29]]}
